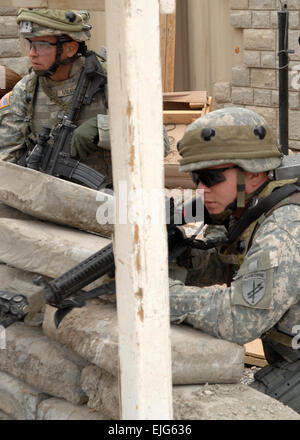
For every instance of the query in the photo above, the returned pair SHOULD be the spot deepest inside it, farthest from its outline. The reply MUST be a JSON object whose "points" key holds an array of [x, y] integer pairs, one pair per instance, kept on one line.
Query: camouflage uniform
{"points": [[243, 293], [50, 98]]}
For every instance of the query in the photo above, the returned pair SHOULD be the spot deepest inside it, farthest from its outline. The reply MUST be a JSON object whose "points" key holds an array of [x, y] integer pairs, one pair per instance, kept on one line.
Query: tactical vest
{"points": [[47, 99], [278, 340], [235, 253]]}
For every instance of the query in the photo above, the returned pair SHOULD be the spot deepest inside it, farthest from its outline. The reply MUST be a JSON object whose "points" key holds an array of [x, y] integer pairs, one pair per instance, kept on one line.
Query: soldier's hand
{"points": [[85, 139]]}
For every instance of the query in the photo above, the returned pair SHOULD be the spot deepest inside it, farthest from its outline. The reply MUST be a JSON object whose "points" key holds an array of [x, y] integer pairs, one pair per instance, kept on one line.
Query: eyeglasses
{"points": [[39, 47], [210, 177]]}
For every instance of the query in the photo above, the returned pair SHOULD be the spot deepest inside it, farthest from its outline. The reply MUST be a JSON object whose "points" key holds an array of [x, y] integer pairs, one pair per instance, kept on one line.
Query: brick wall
{"points": [[254, 84], [10, 48]]}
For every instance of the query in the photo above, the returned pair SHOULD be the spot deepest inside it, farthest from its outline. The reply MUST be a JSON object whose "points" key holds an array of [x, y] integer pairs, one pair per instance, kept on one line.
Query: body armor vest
{"points": [[277, 341], [47, 99]]}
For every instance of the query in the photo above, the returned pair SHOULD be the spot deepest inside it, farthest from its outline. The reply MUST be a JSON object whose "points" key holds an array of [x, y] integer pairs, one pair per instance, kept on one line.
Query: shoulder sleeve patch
{"points": [[5, 100]]}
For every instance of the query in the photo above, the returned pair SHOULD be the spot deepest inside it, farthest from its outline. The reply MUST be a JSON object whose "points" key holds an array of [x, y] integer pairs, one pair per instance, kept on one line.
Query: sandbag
{"points": [[50, 198], [92, 332], [43, 247]]}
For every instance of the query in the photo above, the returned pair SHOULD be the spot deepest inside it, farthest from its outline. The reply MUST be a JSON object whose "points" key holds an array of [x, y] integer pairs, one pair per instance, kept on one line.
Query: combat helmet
{"points": [[65, 24], [230, 135]]}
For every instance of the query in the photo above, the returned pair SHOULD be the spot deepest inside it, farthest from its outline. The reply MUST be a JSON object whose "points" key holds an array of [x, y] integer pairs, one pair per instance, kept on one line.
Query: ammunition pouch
{"points": [[281, 381]]}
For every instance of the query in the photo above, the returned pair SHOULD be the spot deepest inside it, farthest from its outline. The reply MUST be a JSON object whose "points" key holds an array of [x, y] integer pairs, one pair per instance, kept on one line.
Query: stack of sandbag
{"points": [[48, 226]]}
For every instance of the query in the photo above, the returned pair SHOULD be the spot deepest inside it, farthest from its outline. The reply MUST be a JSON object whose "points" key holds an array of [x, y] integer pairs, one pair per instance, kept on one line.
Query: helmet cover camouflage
{"points": [[232, 135], [46, 22]]}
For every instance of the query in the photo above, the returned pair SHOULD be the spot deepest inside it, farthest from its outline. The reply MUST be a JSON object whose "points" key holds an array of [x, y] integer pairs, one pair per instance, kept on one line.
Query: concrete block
{"points": [[273, 19], [292, 4], [294, 19], [59, 409], [48, 366], [294, 44], [10, 48], [9, 11], [268, 59], [222, 92], [262, 4], [242, 95], [294, 126], [40, 195], [18, 400], [275, 98], [240, 76], [261, 19], [252, 58], [238, 4], [262, 97], [295, 145], [92, 332], [294, 100], [8, 27], [259, 39], [265, 78], [240, 19]]}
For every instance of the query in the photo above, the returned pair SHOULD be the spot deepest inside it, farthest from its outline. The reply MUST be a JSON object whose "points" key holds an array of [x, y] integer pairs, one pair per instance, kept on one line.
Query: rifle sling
{"points": [[263, 206]]}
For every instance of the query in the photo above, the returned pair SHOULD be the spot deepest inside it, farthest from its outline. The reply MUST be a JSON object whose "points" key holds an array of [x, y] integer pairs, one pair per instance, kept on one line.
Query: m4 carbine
{"points": [[64, 291], [54, 157]]}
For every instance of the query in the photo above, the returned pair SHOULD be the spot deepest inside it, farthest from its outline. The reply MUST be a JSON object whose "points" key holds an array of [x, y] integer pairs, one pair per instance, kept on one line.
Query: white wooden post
{"points": [[135, 105]]}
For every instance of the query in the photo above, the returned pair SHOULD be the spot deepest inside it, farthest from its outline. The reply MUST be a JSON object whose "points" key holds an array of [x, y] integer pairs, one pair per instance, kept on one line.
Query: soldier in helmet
{"points": [[248, 285], [55, 41]]}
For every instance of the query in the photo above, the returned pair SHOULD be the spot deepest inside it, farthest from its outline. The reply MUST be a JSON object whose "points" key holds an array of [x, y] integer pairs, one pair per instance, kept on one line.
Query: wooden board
{"points": [[255, 354], [167, 50], [181, 117], [186, 100]]}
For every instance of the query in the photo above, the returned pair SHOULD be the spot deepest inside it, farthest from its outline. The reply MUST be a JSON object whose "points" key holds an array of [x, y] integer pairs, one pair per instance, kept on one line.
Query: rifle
{"points": [[54, 157], [64, 292]]}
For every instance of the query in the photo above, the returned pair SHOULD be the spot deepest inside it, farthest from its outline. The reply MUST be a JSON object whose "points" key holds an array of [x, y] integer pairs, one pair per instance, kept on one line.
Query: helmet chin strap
{"points": [[241, 195], [58, 61]]}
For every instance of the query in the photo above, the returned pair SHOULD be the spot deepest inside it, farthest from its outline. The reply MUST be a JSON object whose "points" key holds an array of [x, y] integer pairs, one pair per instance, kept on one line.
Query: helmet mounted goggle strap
{"points": [[241, 195]]}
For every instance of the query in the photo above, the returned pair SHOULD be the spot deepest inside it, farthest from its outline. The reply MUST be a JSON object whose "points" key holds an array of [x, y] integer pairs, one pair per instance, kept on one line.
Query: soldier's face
{"points": [[42, 52], [220, 195]]}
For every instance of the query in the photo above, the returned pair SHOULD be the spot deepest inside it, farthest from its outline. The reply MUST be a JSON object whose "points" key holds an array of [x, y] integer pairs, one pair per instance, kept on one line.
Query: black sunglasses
{"points": [[210, 177]]}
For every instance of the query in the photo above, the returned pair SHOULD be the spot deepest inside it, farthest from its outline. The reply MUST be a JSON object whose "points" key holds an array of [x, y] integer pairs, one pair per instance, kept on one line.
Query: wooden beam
{"points": [[140, 244], [90, 5], [167, 45]]}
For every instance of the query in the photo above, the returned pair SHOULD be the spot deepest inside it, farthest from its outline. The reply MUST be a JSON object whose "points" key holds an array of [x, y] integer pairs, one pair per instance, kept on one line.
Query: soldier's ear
{"points": [[71, 48], [254, 181]]}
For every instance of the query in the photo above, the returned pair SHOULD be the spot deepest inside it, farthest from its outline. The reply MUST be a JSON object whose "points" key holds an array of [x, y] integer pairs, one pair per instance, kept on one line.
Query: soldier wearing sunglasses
{"points": [[55, 44], [248, 285]]}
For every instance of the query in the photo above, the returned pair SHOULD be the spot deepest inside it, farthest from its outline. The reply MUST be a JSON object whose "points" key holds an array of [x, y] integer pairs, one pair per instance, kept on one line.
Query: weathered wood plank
{"points": [[135, 103]]}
